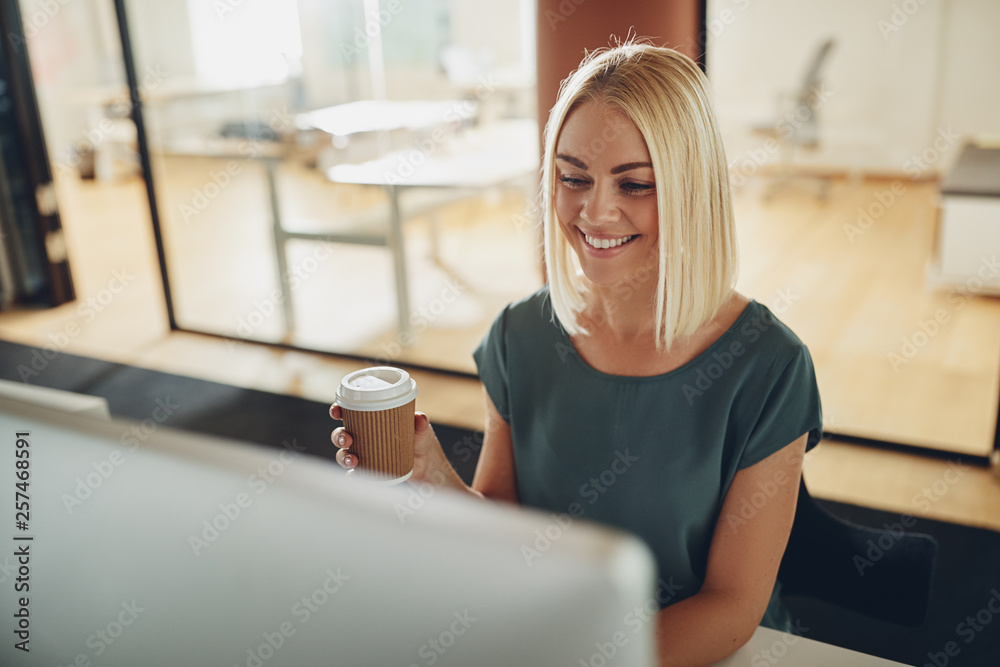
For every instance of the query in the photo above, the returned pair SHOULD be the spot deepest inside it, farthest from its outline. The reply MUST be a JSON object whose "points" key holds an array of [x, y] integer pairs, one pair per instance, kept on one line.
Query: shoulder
{"points": [[525, 321], [529, 312], [763, 347], [759, 327]]}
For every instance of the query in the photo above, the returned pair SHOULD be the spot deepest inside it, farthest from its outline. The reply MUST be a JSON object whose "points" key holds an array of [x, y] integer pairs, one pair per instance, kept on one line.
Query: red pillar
{"points": [[566, 27]]}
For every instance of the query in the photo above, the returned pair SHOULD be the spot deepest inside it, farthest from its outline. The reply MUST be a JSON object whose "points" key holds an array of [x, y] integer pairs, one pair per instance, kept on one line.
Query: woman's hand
{"points": [[429, 461]]}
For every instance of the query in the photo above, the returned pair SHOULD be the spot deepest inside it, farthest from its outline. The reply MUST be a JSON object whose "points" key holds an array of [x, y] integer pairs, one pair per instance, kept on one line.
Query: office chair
{"points": [[796, 126], [880, 573]]}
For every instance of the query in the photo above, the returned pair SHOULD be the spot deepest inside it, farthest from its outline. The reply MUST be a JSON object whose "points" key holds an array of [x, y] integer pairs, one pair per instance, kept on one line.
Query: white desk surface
{"points": [[375, 115], [95, 406], [484, 157], [770, 647]]}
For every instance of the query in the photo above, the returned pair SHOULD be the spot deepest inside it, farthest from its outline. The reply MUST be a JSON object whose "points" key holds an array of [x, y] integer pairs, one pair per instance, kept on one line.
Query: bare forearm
{"points": [[702, 629], [438, 471]]}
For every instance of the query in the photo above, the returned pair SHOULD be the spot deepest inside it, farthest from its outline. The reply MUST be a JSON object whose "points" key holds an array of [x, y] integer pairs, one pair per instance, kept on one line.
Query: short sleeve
{"points": [[491, 360], [791, 407]]}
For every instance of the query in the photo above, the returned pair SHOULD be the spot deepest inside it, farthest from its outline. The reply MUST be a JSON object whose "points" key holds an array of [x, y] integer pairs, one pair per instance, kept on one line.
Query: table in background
{"points": [[496, 155], [968, 233]]}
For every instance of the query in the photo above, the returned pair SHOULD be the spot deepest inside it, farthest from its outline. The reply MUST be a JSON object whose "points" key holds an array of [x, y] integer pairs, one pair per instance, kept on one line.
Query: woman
{"points": [[638, 386]]}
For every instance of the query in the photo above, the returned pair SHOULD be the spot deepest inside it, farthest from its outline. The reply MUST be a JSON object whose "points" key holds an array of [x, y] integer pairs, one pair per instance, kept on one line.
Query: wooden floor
{"points": [[853, 300]]}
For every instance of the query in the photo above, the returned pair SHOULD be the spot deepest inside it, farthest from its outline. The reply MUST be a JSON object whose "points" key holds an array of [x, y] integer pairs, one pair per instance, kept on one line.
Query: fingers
{"points": [[346, 459], [421, 421], [341, 438]]}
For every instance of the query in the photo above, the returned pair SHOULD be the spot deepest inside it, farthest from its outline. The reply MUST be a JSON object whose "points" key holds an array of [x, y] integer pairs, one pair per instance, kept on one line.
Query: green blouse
{"points": [[651, 455]]}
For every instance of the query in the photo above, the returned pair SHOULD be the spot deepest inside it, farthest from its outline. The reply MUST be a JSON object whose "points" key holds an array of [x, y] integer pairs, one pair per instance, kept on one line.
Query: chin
{"points": [[605, 277]]}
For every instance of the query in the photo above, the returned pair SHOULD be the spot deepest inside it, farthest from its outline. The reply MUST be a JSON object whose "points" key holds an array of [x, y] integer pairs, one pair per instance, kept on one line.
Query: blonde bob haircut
{"points": [[666, 96]]}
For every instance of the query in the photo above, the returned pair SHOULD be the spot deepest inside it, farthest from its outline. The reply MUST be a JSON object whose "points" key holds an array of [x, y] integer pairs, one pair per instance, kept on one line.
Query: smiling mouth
{"points": [[604, 244]]}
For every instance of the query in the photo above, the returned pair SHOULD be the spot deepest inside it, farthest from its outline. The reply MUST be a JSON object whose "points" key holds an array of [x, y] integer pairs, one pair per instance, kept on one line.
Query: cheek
{"points": [[566, 206], [644, 216]]}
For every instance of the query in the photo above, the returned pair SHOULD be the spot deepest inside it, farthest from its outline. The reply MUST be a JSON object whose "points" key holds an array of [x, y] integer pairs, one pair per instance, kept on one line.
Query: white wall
{"points": [[901, 71]]}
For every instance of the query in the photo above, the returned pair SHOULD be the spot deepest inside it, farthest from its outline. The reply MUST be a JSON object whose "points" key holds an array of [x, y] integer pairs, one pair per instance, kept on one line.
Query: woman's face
{"points": [[605, 195]]}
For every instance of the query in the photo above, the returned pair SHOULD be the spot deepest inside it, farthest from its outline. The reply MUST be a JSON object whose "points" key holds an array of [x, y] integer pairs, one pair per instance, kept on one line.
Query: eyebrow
{"points": [[629, 166]]}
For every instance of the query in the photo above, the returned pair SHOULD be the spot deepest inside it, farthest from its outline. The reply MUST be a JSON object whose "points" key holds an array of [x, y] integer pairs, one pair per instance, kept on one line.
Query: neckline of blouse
{"points": [[650, 378]]}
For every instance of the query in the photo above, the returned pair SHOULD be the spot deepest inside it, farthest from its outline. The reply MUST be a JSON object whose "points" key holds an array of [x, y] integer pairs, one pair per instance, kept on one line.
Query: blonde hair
{"points": [[666, 96]]}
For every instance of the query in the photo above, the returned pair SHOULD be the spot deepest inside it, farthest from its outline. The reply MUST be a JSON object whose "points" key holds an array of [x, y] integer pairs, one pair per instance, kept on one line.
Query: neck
{"points": [[625, 313]]}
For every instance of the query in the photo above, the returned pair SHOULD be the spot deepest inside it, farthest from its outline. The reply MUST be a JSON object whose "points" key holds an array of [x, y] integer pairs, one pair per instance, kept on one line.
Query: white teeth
{"points": [[606, 243]]}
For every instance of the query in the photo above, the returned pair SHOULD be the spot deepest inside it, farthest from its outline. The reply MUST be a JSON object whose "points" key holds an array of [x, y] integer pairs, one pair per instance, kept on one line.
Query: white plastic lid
{"points": [[376, 388]]}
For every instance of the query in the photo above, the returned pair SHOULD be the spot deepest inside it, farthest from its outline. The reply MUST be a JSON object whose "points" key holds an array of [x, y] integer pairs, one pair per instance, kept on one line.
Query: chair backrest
{"points": [[812, 78], [884, 572]]}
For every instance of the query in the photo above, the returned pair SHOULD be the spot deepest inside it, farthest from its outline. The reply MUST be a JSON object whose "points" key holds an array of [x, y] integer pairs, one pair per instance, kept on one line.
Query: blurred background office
{"points": [[358, 178]]}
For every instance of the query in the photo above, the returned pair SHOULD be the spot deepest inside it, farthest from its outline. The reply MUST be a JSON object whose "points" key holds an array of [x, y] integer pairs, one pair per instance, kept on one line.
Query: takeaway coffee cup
{"points": [[377, 405]]}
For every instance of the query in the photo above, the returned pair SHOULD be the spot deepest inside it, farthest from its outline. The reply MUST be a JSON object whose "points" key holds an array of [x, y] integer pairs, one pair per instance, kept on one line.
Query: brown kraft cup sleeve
{"points": [[383, 440]]}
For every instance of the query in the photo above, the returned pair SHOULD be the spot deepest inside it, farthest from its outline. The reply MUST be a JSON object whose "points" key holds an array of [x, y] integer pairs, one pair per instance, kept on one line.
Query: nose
{"points": [[600, 206]]}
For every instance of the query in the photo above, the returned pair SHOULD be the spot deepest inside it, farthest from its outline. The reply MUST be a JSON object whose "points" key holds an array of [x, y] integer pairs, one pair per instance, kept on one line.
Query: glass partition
{"points": [[345, 176]]}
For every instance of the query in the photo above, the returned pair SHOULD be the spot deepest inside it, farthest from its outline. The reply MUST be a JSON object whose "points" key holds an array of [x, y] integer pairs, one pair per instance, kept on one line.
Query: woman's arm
{"points": [[495, 477], [743, 564]]}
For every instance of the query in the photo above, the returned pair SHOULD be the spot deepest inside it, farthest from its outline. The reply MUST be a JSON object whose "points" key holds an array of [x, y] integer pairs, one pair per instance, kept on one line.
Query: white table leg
{"points": [[399, 262], [279, 246]]}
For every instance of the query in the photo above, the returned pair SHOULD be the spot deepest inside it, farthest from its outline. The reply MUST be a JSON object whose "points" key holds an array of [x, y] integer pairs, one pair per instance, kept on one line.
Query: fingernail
{"points": [[341, 440], [348, 461]]}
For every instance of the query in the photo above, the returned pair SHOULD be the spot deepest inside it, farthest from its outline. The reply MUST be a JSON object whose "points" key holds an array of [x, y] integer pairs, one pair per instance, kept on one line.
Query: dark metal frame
{"points": [[33, 176], [143, 144]]}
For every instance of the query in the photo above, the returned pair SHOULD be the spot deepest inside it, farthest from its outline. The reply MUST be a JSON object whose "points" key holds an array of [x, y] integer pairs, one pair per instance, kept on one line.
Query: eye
{"points": [[573, 183], [632, 188]]}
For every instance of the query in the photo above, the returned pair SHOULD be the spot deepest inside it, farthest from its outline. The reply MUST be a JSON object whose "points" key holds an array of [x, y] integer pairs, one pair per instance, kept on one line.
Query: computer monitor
{"points": [[151, 546]]}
